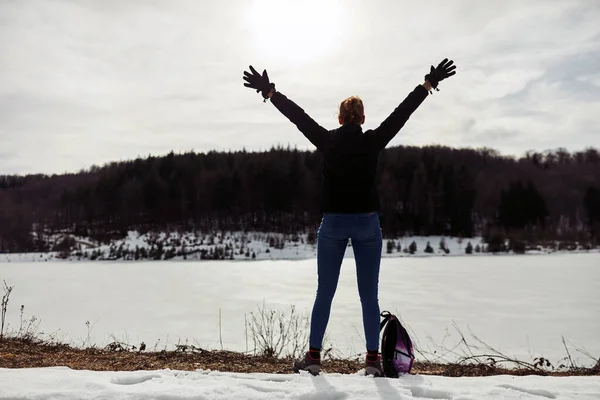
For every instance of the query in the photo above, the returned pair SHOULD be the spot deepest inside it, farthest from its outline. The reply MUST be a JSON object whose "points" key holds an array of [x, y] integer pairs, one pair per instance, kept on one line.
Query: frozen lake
{"points": [[520, 305]]}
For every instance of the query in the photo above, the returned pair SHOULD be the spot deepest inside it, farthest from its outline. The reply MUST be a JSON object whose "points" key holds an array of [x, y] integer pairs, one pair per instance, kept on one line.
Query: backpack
{"points": [[396, 347]]}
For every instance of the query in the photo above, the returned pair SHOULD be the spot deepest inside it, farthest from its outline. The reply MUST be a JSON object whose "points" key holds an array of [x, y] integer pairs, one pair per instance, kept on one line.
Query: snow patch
{"points": [[134, 379], [428, 393], [51, 383], [535, 392]]}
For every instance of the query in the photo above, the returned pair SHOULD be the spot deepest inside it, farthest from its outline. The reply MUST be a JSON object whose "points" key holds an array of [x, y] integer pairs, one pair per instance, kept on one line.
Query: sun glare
{"points": [[296, 31]]}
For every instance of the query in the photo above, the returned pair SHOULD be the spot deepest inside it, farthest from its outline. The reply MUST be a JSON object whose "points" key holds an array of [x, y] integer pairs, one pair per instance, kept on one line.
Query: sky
{"points": [[85, 82]]}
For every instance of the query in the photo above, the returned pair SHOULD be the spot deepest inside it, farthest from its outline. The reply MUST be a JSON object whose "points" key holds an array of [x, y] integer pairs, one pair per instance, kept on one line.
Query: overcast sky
{"points": [[88, 82]]}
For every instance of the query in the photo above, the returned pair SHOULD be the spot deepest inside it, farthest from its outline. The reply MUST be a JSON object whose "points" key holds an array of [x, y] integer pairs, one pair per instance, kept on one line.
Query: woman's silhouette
{"points": [[349, 204]]}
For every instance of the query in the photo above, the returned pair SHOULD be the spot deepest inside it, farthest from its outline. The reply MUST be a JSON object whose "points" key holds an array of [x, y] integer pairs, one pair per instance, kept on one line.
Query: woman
{"points": [[349, 202]]}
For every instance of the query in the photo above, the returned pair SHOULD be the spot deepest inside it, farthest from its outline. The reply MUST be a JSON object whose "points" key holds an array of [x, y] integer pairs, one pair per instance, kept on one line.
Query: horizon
{"points": [[87, 169], [96, 83]]}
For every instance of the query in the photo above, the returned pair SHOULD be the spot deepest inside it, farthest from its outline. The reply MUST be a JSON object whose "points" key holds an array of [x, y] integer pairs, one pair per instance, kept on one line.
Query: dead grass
{"points": [[31, 353], [17, 353]]}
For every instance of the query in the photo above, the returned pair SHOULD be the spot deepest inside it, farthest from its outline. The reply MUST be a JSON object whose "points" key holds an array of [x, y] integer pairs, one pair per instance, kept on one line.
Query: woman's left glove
{"points": [[259, 82], [444, 70]]}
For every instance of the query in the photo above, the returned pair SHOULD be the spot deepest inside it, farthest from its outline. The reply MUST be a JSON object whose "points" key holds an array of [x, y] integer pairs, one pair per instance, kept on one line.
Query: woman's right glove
{"points": [[259, 82], [444, 70]]}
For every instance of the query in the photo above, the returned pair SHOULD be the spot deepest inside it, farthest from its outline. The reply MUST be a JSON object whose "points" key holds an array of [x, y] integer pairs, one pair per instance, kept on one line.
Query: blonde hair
{"points": [[352, 110]]}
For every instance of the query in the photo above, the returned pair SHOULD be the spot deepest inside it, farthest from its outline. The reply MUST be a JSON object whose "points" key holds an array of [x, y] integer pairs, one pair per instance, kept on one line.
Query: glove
{"points": [[259, 82], [444, 70]]}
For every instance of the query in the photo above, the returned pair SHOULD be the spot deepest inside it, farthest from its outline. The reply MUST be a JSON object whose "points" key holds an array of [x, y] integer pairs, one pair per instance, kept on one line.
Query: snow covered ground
{"points": [[64, 383], [521, 305]]}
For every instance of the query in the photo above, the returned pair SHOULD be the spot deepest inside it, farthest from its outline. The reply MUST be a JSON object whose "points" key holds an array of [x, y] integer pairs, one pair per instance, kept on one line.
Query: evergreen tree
{"points": [[469, 248], [390, 246], [412, 248]]}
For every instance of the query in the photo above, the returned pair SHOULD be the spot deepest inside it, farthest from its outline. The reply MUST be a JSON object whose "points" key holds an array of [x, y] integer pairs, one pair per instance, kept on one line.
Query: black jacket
{"points": [[349, 155]]}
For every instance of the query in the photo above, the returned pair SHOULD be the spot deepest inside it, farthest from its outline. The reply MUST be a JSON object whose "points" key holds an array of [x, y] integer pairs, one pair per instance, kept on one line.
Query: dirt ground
{"points": [[17, 353]]}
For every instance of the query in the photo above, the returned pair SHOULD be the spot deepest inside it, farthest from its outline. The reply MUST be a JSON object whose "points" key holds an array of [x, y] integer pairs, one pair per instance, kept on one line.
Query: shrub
{"points": [[496, 242], [517, 246], [65, 246], [428, 248], [469, 248], [4, 306], [390, 246], [412, 248], [275, 333], [443, 246]]}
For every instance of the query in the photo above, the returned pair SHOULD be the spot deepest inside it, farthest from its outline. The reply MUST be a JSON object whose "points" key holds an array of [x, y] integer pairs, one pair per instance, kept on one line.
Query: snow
{"points": [[64, 383], [520, 305], [245, 244]]}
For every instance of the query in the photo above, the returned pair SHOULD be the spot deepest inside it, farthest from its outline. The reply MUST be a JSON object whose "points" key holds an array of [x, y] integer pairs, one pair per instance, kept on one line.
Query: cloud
{"points": [[85, 83], [590, 80]]}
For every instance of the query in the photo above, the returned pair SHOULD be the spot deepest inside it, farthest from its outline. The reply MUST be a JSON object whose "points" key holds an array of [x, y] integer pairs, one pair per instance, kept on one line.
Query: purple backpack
{"points": [[396, 347]]}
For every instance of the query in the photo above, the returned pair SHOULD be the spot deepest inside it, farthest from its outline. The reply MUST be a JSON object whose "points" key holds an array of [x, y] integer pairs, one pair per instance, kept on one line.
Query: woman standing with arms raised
{"points": [[350, 203]]}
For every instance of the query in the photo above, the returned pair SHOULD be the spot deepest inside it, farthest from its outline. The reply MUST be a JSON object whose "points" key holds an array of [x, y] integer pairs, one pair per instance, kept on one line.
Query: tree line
{"points": [[432, 190]]}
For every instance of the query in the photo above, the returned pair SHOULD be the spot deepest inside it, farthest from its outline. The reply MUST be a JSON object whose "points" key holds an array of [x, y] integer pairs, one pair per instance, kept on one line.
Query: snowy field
{"points": [[521, 305], [64, 383]]}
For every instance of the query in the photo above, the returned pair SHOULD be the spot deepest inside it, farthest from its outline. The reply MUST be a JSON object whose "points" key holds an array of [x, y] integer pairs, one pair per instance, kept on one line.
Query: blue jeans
{"points": [[365, 232]]}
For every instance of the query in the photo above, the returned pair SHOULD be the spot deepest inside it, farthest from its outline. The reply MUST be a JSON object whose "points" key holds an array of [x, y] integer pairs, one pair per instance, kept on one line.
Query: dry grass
{"points": [[28, 353], [17, 353]]}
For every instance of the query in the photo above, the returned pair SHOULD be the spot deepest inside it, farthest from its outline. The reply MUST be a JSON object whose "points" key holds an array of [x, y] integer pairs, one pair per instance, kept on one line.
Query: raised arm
{"points": [[314, 132], [385, 132]]}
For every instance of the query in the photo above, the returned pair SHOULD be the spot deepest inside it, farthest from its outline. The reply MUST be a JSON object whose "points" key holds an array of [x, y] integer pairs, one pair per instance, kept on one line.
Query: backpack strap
{"points": [[404, 354], [386, 317]]}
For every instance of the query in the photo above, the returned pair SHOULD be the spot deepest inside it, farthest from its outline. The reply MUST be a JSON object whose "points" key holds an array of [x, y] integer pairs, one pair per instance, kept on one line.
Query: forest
{"points": [[432, 190]]}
